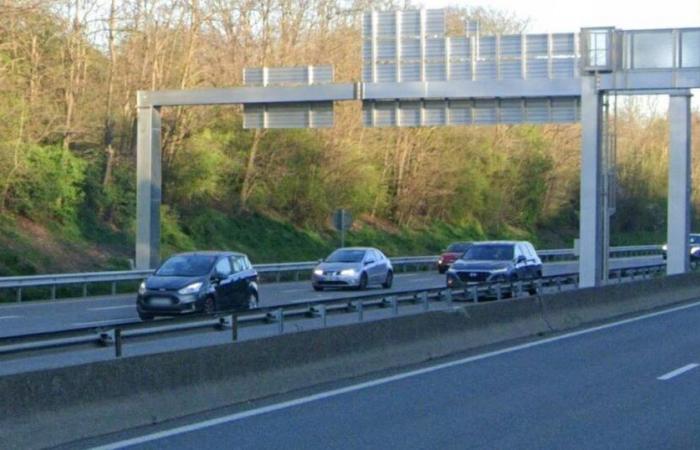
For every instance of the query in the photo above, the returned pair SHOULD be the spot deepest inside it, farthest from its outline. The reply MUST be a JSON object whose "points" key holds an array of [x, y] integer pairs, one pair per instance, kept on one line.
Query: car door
{"points": [[521, 266], [224, 284], [383, 264], [239, 289], [370, 262]]}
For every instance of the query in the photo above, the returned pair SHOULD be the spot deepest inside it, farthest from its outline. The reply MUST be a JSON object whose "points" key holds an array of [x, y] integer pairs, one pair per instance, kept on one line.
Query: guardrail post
{"points": [[118, 343], [296, 275], [424, 300], [499, 294], [519, 289], [114, 288], [85, 290], [19, 295], [234, 327], [53, 292], [394, 305], [448, 297], [322, 312], [280, 321], [279, 276], [360, 311], [475, 294]]}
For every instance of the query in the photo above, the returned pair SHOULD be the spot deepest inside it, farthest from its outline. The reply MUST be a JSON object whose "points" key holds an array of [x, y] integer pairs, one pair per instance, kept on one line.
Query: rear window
{"points": [[459, 247], [490, 252], [186, 266]]}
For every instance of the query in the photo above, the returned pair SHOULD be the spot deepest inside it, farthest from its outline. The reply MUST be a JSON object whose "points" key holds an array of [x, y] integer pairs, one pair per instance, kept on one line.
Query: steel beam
{"points": [[591, 216], [148, 188], [473, 89], [679, 184], [250, 95]]}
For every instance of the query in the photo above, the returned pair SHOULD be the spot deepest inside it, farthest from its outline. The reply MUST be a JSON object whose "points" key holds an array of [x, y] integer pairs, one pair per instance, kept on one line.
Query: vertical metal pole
{"points": [[118, 342], [360, 311], [234, 327], [591, 215], [148, 186], [679, 184]]}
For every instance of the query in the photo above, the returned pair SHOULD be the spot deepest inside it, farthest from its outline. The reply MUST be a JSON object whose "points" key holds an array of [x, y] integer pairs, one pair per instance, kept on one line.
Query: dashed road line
{"points": [[679, 371]]}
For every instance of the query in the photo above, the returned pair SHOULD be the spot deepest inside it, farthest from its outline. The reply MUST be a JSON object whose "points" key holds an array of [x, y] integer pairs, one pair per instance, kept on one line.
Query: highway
{"points": [[36, 317], [632, 384]]}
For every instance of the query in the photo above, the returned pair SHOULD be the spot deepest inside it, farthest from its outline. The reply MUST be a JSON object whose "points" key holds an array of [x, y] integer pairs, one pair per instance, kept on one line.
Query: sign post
{"points": [[342, 220]]}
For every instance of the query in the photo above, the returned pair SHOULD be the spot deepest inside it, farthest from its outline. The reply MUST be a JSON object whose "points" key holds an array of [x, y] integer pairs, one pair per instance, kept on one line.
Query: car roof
{"points": [[355, 248], [210, 253], [500, 242]]}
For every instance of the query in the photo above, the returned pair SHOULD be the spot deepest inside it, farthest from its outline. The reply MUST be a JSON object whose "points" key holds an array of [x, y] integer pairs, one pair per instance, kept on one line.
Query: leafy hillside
{"points": [[69, 73]]}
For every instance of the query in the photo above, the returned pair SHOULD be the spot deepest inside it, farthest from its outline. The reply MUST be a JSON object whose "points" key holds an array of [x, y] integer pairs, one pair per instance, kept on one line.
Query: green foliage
{"points": [[50, 186]]}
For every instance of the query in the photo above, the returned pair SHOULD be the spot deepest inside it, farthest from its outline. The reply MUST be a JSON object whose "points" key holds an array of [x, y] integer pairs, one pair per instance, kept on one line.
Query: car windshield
{"points": [[490, 252], [458, 247], [346, 256], [186, 266]]}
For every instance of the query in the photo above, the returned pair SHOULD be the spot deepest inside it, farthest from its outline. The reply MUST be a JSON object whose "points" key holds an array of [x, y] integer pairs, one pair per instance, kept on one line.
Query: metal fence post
{"points": [[360, 311], [475, 294], [499, 294], [114, 288], [234, 327], [322, 312], [394, 305], [118, 343], [85, 290], [19, 295], [448, 297], [53, 292], [424, 300], [280, 321]]}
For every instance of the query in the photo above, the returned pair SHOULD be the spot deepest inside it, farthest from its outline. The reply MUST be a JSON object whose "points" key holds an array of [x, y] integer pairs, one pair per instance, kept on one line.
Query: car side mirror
{"points": [[520, 259]]}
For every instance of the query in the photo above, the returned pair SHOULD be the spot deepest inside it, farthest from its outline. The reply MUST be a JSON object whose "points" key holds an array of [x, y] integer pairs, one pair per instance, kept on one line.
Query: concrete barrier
{"points": [[61, 405]]}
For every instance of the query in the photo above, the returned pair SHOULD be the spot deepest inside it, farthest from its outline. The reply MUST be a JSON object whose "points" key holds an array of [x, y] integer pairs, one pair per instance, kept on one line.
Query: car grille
{"points": [[473, 277]]}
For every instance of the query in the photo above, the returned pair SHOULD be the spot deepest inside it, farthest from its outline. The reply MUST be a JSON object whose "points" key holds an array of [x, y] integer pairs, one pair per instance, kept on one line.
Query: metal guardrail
{"points": [[292, 271], [421, 300]]}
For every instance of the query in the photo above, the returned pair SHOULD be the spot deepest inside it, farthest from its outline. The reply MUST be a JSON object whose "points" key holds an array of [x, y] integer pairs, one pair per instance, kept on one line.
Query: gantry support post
{"points": [[679, 183], [148, 187], [591, 229]]}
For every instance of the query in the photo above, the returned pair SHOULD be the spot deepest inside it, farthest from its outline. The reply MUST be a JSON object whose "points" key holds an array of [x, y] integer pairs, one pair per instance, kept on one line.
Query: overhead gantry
{"points": [[413, 74]]}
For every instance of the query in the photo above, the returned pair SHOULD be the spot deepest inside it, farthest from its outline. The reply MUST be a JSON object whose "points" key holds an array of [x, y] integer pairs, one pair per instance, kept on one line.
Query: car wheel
{"points": [[209, 305], [145, 317], [252, 300], [317, 287], [389, 280], [363, 282]]}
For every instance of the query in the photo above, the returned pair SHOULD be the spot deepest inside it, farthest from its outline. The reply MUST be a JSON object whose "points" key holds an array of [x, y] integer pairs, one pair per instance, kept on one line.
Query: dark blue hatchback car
{"points": [[199, 282]]}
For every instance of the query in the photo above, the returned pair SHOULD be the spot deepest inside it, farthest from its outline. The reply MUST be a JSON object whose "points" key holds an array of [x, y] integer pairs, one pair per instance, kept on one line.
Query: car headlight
{"points": [[142, 288], [348, 272], [664, 247], [191, 289], [318, 271]]}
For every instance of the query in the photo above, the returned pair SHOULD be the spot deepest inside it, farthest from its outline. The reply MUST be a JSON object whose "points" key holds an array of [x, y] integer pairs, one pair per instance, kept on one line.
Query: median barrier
{"points": [[58, 406], [572, 309]]}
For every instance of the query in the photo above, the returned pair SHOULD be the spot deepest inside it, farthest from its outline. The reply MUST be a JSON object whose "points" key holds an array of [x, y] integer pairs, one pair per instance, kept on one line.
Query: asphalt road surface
{"points": [[634, 384]]}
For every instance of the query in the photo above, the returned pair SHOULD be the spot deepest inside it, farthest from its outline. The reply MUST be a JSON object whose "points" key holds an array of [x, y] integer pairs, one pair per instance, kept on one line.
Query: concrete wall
{"points": [[60, 405]]}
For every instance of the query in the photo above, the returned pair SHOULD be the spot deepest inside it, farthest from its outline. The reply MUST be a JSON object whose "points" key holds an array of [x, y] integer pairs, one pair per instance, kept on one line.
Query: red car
{"points": [[453, 252]]}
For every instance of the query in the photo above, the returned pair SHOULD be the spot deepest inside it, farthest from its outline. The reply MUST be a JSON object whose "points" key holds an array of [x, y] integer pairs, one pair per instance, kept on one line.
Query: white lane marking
{"points": [[101, 322], [9, 317], [675, 373], [373, 383], [107, 308]]}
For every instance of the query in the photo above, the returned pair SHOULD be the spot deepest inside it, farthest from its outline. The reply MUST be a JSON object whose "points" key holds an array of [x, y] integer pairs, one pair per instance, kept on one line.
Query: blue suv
{"points": [[496, 261]]}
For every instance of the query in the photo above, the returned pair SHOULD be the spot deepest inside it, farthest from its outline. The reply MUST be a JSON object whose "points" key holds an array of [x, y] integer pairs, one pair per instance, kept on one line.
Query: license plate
{"points": [[473, 275], [160, 301]]}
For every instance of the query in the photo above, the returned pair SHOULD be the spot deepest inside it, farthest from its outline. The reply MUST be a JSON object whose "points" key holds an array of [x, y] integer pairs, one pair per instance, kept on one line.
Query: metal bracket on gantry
{"points": [[415, 75]]}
